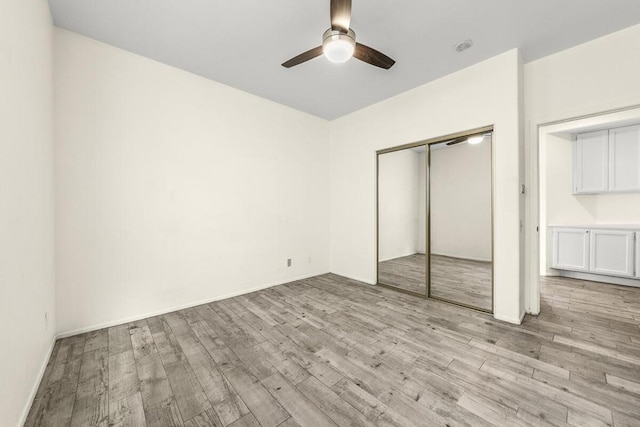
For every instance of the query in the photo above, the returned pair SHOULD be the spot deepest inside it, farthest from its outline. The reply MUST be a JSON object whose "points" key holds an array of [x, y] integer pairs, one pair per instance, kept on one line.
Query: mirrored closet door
{"points": [[435, 220], [402, 219], [460, 221]]}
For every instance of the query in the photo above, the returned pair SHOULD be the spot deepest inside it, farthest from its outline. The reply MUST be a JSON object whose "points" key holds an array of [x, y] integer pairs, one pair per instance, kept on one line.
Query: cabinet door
{"points": [[624, 159], [612, 252], [570, 249], [591, 162]]}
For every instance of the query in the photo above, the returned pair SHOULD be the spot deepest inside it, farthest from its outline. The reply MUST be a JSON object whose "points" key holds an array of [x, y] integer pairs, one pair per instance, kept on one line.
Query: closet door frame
{"points": [[427, 142]]}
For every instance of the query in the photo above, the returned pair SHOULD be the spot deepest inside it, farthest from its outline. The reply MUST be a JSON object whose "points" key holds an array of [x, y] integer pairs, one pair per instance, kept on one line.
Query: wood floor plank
{"points": [[302, 410], [163, 414], [119, 339], [331, 404], [96, 340], [165, 341], [205, 419], [263, 406], [488, 410], [154, 385], [247, 421], [285, 365], [123, 377], [141, 339], [372, 408], [91, 406], [127, 412], [223, 398], [630, 386], [187, 391]]}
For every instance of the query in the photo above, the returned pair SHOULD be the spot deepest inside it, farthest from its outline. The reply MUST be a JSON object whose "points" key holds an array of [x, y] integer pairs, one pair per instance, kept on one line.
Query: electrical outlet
{"points": [[309, 260], [46, 320], [288, 262]]}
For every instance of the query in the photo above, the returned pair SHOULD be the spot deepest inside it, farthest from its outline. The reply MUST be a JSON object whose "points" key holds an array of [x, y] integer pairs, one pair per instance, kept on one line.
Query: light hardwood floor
{"points": [[455, 279], [332, 351]]}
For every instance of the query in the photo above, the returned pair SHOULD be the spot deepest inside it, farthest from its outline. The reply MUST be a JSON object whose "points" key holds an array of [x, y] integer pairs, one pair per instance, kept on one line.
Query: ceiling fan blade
{"points": [[372, 56], [303, 57], [457, 140], [340, 15]]}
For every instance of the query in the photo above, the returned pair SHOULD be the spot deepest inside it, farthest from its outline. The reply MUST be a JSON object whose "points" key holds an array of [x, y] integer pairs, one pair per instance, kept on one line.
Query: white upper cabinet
{"points": [[612, 252], [591, 162], [624, 154], [607, 161]]}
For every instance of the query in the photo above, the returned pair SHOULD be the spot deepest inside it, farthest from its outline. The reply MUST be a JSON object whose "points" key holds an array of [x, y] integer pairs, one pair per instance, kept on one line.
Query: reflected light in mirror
{"points": [[475, 139]]}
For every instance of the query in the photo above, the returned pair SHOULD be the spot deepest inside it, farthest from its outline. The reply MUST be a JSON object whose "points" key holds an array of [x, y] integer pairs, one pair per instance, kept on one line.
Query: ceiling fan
{"points": [[339, 42]]}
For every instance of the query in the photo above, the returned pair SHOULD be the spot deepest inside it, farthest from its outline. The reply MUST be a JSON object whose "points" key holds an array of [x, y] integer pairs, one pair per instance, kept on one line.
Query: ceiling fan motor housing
{"points": [[337, 45]]}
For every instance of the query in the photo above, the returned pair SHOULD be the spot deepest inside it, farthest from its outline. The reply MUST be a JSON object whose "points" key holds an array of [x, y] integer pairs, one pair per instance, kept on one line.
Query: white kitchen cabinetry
{"points": [[598, 250], [571, 249], [591, 162], [612, 252], [607, 161], [624, 159]]}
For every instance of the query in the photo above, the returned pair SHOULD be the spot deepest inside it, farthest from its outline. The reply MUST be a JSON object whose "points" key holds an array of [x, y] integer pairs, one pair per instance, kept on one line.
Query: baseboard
{"points": [[358, 279], [612, 280], [513, 320], [178, 307], [36, 385], [463, 257], [400, 256]]}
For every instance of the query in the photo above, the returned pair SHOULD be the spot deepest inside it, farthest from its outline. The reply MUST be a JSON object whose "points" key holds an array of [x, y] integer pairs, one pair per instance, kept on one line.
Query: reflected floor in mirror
{"points": [[454, 279], [406, 273], [462, 281]]}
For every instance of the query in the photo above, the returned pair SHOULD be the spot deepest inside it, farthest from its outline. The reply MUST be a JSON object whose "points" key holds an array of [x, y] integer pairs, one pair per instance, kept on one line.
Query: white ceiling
{"points": [[243, 42]]}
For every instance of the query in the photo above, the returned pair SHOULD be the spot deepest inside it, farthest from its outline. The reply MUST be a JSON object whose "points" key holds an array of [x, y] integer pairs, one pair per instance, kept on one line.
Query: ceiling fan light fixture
{"points": [[338, 46]]}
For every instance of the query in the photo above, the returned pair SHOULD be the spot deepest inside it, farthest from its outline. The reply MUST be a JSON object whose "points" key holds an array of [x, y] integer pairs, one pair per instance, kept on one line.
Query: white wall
{"points": [[172, 189], [460, 202], [26, 203], [484, 94], [398, 197], [592, 78]]}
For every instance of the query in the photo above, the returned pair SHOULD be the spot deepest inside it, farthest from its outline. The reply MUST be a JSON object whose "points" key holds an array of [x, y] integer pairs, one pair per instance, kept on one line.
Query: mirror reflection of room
{"points": [[461, 221], [402, 219]]}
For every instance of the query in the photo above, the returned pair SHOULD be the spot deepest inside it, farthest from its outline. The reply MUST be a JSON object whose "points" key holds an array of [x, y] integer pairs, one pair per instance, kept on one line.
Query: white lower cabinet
{"points": [[571, 249], [612, 252], [604, 251]]}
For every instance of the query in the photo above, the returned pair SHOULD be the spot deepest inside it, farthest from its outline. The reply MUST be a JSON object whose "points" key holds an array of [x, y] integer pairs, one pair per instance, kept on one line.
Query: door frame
{"points": [[533, 233]]}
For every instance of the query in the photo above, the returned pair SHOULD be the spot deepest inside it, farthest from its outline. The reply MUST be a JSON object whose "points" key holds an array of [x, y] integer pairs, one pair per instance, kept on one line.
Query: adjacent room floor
{"points": [[331, 351]]}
